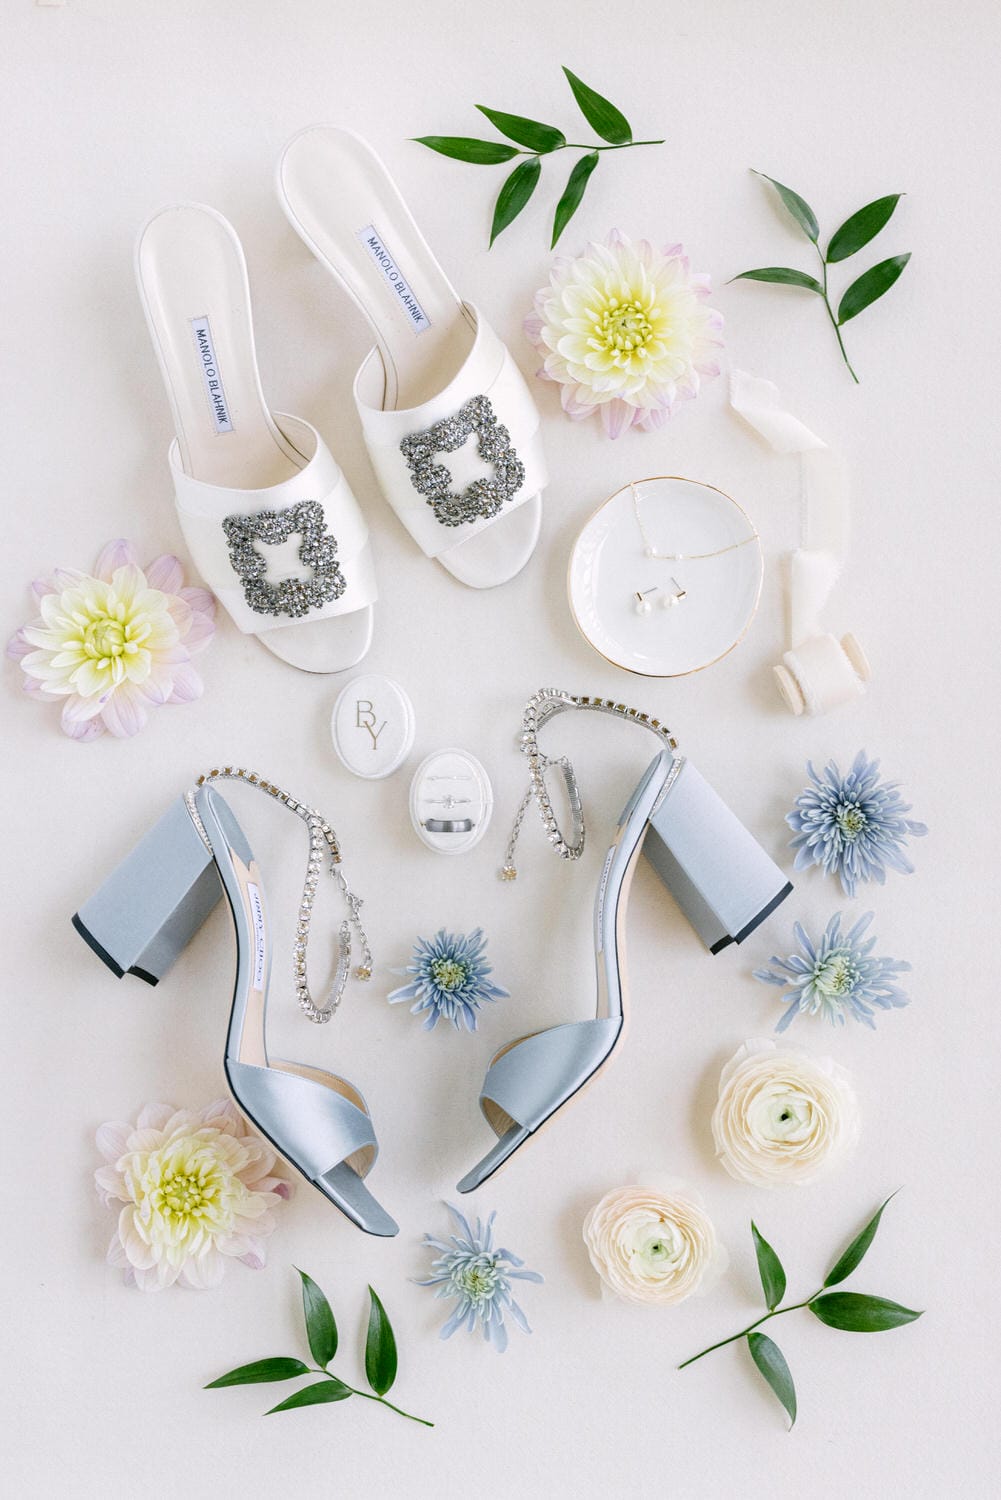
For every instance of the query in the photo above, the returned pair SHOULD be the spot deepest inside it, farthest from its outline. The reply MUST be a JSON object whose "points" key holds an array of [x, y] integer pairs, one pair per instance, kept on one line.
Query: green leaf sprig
{"points": [[854, 234], [321, 1335], [855, 1312], [538, 140]]}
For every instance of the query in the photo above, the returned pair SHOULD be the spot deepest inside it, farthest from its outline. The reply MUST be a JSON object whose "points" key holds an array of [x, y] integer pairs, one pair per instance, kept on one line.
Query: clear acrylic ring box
{"points": [[675, 539]]}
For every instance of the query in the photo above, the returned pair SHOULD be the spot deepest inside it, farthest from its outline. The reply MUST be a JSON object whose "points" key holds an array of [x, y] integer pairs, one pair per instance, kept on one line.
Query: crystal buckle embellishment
{"points": [[484, 497], [318, 550]]}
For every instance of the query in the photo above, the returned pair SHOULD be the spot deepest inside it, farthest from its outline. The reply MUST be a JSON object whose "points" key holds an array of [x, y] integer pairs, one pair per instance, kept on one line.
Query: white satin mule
{"points": [[268, 517], [449, 423]]}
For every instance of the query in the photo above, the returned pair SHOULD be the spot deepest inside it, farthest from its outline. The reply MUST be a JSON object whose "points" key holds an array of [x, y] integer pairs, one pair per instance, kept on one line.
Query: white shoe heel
{"points": [[268, 517]]}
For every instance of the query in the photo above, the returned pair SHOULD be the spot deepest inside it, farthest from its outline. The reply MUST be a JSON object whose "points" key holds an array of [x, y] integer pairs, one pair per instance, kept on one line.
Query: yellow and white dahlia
{"points": [[197, 1189], [625, 329], [113, 644]]}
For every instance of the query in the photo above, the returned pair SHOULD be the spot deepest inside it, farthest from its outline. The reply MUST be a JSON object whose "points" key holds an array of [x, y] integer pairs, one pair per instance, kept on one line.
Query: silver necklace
{"points": [[322, 842], [540, 708], [650, 550]]}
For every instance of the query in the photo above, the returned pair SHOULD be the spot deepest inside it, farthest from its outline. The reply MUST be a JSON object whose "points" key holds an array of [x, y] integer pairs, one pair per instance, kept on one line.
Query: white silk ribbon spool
{"points": [[818, 672]]}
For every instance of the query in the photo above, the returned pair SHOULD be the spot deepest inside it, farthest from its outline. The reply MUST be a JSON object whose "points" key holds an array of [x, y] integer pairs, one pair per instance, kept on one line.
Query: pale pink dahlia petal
{"points": [[124, 712], [19, 646], [255, 1259], [180, 612], [81, 730], [203, 1271], [77, 710], [201, 629], [165, 573], [275, 1185], [112, 1139], [199, 599], [57, 581], [110, 1186], [224, 1115], [116, 1254], [114, 555], [616, 417], [155, 1116], [187, 685]]}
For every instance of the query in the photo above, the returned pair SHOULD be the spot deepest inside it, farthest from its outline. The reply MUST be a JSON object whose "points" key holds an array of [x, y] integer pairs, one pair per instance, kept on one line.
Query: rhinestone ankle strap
{"points": [[322, 839], [540, 708]]}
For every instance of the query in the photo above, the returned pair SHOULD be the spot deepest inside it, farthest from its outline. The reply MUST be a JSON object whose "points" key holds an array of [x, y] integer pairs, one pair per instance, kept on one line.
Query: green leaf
{"points": [[857, 1313], [846, 1263], [380, 1348], [321, 1330], [515, 193], [572, 194], [783, 275], [773, 1277], [797, 206], [260, 1371], [771, 1362], [465, 148], [870, 285], [862, 227], [323, 1391], [530, 133], [602, 116]]}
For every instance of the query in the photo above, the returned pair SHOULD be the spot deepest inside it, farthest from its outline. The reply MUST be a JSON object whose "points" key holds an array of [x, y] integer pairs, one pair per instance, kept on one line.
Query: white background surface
{"points": [[112, 109]]}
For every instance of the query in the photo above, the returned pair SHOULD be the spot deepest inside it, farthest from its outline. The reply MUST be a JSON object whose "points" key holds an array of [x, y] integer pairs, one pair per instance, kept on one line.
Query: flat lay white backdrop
{"points": [[111, 110]]}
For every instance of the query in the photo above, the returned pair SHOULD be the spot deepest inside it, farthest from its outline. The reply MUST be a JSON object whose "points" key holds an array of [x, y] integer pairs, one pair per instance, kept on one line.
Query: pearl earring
{"points": [[643, 605], [670, 600]]}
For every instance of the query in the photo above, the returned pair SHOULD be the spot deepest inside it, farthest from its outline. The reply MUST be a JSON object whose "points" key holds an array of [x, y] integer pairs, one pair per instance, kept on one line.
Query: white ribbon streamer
{"points": [[818, 672]]}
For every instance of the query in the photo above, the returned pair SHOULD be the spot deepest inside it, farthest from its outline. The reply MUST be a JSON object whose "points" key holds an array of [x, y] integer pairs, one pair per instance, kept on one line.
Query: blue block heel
{"points": [[151, 906], [720, 876]]}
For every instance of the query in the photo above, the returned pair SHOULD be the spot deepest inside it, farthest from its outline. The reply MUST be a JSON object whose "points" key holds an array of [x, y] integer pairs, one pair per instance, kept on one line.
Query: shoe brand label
{"points": [[205, 349], [257, 921], [373, 242]]}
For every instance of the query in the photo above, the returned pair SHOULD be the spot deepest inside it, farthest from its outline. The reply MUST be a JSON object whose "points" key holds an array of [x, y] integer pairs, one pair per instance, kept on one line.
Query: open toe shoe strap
{"points": [[534, 1076], [315, 1126], [442, 501], [229, 531]]}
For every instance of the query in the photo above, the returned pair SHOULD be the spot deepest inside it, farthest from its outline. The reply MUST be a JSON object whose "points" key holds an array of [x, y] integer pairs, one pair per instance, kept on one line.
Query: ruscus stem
{"points": [[381, 1400], [834, 322], [580, 146], [776, 1312]]}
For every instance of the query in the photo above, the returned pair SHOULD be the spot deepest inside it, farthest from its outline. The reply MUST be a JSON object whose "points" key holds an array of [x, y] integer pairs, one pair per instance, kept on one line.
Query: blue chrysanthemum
{"points": [[853, 826], [479, 1277], [836, 977], [450, 979]]}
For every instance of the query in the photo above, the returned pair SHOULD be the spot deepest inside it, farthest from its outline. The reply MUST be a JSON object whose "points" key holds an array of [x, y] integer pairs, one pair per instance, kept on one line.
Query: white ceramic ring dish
{"points": [[705, 556]]}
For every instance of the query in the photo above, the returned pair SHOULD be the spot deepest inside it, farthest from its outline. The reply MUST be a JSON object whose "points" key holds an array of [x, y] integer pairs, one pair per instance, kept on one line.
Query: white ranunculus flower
{"points": [[652, 1246], [783, 1115]]}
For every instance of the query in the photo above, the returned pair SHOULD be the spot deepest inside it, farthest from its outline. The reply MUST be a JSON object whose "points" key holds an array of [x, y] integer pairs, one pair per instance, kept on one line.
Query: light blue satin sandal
{"points": [[720, 876], [151, 906]]}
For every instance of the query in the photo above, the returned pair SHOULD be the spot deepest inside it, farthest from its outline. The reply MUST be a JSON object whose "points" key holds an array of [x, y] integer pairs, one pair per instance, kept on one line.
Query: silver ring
{"points": [[448, 825], [448, 801]]}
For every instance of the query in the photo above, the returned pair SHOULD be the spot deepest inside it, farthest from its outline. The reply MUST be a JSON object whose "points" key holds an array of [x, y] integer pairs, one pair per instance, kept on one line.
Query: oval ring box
{"points": [[450, 787], [372, 726]]}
